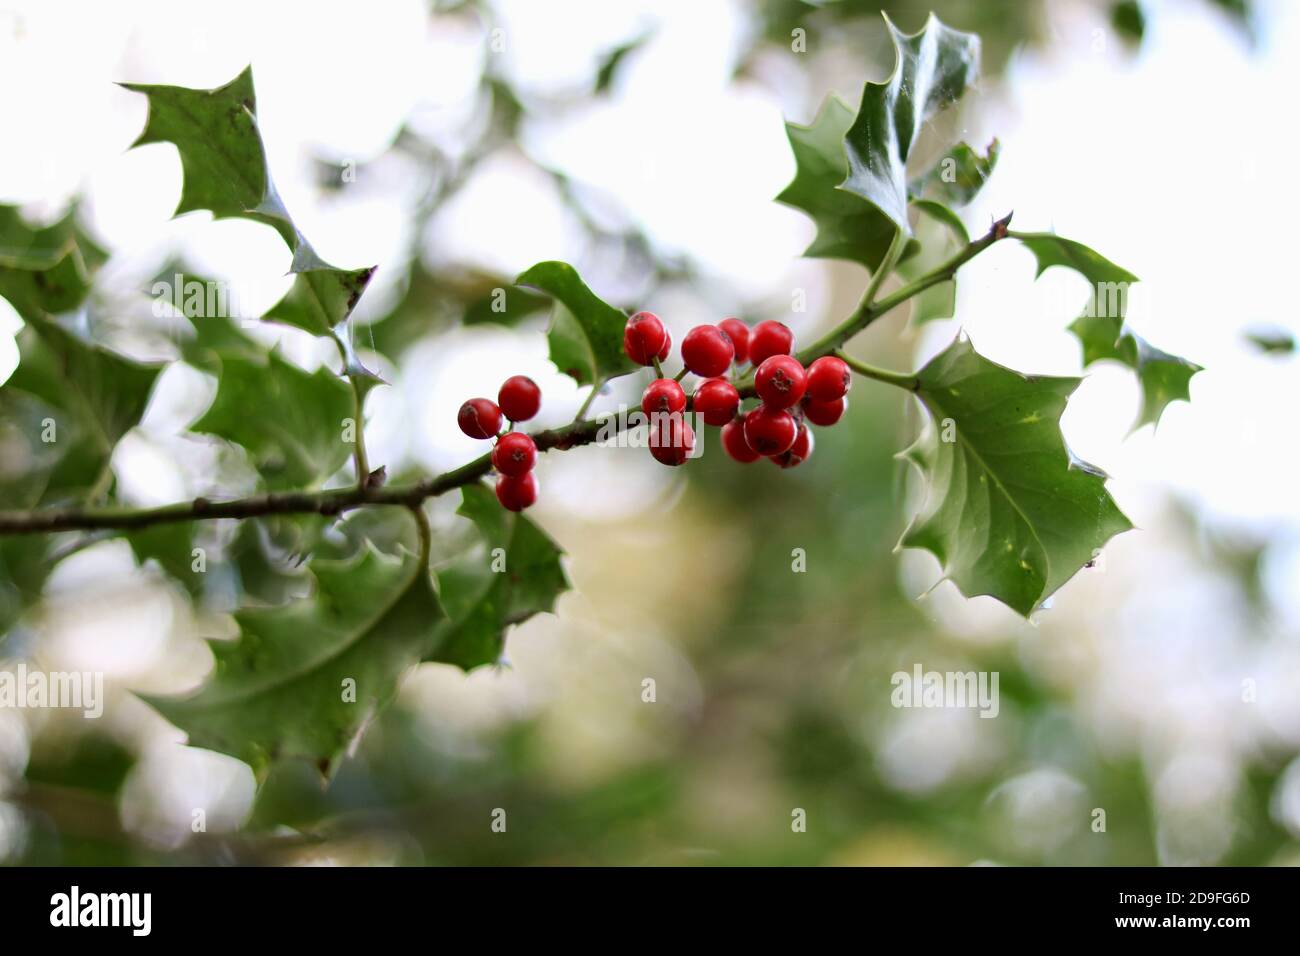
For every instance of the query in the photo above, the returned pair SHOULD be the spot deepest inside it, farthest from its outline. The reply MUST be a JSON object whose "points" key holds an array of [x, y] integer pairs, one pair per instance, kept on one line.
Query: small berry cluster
{"points": [[790, 395], [790, 398], [515, 453]]}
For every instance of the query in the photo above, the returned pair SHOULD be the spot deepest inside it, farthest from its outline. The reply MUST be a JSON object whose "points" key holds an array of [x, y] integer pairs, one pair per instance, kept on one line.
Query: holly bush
{"points": [[1007, 508]]}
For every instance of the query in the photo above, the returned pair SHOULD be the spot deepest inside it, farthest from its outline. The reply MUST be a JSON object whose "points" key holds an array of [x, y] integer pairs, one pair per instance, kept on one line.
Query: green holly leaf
{"points": [[45, 269], [321, 297], [848, 227], [1164, 378], [225, 172], [304, 680], [486, 591], [88, 398], [1009, 511], [1049, 250], [959, 176], [933, 68], [1103, 331], [289, 421], [222, 157], [586, 333]]}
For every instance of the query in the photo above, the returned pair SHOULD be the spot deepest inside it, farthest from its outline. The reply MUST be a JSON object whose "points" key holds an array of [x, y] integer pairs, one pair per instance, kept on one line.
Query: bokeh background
{"points": [[458, 143]]}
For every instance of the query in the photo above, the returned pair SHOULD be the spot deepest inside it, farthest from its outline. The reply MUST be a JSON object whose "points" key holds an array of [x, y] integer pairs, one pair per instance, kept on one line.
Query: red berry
{"points": [[717, 400], [770, 431], [780, 381], [767, 339], [734, 443], [668, 344], [519, 398], [707, 350], [799, 452], [516, 494], [671, 438], [479, 418], [645, 338], [824, 413], [738, 332], [663, 395], [514, 455], [829, 378]]}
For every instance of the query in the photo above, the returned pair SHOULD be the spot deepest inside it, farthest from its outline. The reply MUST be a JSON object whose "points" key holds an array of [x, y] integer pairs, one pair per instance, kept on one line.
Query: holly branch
{"points": [[336, 501]]}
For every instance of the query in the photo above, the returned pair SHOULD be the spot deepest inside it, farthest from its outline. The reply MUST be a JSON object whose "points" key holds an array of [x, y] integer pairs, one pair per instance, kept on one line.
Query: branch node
{"points": [[1000, 226]]}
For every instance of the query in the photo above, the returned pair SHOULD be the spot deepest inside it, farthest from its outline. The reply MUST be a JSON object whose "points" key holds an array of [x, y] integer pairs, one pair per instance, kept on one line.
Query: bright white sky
{"points": [[1173, 163]]}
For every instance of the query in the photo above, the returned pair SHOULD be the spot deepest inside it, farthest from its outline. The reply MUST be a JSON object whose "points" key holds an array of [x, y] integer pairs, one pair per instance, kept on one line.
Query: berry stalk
{"points": [[869, 310]]}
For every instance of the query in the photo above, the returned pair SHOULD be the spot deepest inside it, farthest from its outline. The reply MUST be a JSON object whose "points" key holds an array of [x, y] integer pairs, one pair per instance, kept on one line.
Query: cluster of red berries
{"points": [[515, 453], [791, 396]]}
